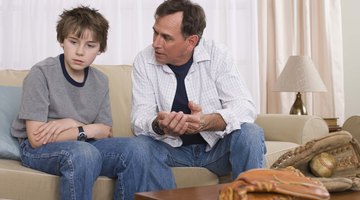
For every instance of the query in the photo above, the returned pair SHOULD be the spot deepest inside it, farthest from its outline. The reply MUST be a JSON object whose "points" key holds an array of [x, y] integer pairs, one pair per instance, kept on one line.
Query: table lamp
{"points": [[299, 75]]}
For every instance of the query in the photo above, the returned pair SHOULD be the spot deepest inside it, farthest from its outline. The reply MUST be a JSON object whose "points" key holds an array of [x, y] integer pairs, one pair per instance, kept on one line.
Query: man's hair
{"points": [[194, 20], [77, 20]]}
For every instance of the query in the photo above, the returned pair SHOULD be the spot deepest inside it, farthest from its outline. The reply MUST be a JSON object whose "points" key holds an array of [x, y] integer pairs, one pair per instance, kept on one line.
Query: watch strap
{"points": [[82, 135]]}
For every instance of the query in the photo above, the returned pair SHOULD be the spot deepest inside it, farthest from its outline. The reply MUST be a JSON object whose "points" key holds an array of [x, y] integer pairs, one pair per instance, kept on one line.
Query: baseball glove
{"points": [[341, 146], [271, 184]]}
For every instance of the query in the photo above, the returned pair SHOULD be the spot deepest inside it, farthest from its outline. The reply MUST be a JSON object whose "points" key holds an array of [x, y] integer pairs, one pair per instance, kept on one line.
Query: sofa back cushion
{"points": [[120, 93], [120, 97]]}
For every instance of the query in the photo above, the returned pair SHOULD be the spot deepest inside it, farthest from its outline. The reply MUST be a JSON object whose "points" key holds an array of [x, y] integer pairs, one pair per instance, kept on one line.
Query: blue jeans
{"points": [[237, 152], [80, 163]]}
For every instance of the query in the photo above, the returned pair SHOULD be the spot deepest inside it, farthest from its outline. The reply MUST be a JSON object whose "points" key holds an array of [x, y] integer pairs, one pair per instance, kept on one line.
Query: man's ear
{"points": [[193, 40]]}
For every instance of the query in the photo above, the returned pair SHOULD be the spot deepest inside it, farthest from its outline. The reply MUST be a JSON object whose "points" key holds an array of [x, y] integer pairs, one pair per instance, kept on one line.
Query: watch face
{"points": [[82, 136]]}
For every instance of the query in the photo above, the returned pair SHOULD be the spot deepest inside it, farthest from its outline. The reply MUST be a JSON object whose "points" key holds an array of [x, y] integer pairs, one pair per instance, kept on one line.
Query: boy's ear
{"points": [[98, 53], [62, 45]]}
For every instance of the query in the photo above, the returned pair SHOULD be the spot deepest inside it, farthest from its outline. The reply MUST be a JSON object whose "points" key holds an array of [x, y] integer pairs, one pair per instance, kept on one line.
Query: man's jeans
{"points": [[239, 151], [79, 164]]}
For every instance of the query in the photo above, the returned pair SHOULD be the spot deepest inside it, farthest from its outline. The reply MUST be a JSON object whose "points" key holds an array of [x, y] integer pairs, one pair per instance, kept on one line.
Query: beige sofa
{"points": [[282, 132], [352, 125]]}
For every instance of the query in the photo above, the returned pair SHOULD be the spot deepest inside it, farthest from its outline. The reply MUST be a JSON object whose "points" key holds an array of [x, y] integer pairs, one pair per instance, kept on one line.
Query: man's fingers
{"points": [[184, 129], [181, 126], [175, 121], [194, 107], [165, 119]]}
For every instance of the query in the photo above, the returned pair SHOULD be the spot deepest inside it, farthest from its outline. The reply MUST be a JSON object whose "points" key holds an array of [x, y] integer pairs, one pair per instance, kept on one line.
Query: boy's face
{"points": [[80, 52]]}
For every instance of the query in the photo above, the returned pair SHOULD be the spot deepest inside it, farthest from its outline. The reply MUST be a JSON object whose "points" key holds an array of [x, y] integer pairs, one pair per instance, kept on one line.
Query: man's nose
{"points": [[157, 41]]}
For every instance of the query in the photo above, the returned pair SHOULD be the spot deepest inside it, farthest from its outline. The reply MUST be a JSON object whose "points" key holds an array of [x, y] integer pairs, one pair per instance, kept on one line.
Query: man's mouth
{"points": [[159, 54]]}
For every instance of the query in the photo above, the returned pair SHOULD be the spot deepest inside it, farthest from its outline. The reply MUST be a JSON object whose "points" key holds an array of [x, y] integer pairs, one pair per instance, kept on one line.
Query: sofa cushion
{"points": [[9, 107], [19, 182]]}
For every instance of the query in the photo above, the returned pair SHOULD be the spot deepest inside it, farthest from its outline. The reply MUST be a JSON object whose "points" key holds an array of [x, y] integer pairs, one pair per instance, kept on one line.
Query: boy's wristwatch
{"points": [[82, 135]]}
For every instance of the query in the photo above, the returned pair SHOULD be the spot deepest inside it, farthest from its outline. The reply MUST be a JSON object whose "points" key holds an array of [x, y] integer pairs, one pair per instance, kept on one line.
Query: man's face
{"points": [[80, 52], [169, 44]]}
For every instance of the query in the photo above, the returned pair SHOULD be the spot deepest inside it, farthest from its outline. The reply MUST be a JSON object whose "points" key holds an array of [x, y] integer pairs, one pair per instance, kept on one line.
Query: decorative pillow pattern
{"points": [[10, 98]]}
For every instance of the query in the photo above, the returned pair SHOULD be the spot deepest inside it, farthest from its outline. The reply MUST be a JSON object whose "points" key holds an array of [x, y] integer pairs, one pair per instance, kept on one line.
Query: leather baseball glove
{"points": [[339, 145], [268, 184]]}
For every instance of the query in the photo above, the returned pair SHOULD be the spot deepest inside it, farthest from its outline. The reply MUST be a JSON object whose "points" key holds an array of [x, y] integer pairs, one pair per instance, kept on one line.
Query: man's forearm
{"points": [[212, 122]]}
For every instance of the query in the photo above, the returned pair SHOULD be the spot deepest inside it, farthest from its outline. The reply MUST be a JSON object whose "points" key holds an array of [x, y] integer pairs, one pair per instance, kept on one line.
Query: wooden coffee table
{"points": [[212, 193]]}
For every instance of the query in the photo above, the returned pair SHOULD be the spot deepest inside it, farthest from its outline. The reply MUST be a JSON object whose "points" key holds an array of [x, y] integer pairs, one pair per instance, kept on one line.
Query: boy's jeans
{"points": [[79, 164]]}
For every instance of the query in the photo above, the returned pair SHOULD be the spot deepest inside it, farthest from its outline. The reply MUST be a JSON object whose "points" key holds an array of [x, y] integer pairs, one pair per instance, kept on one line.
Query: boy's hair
{"points": [[77, 20], [194, 20]]}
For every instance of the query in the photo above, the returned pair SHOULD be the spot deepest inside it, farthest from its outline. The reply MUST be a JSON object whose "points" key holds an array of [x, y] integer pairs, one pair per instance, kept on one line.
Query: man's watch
{"points": [[82, 135], [156, 128]]}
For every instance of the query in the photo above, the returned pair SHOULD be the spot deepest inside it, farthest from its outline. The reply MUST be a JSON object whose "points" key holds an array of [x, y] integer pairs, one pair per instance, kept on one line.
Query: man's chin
{"points": [[160, 61]]}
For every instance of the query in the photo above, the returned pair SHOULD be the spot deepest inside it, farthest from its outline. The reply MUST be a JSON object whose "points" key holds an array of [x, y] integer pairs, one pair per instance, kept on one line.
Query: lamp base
{"points": [[298, 107]]}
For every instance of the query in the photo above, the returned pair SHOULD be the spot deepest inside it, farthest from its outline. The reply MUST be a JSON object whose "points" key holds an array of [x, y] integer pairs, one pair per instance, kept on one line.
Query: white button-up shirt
{"points": [[213, 82]]}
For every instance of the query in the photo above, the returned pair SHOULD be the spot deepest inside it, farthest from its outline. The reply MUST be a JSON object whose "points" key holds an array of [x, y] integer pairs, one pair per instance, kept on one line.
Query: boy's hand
{"points": [[49, 131], [98, 131]]}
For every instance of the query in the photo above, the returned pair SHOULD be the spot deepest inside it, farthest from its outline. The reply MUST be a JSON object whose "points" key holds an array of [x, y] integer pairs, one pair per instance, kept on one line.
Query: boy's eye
{"points": [[92, 45]]}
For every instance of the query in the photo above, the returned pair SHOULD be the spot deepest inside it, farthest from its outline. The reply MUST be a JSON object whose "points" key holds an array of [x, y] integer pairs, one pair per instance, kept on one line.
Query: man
{"points": [[190, 106]]}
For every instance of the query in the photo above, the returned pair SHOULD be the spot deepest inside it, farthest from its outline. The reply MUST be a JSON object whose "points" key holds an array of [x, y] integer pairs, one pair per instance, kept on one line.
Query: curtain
{"points": [[27, 31], [301, 27]]}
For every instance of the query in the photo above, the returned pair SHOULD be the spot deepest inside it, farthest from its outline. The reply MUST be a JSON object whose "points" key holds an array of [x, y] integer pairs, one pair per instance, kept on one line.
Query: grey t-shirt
{"points": [[50, 93]]}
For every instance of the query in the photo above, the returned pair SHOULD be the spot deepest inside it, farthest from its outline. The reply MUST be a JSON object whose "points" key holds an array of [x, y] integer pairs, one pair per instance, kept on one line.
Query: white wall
{"points": [[351, 41]]}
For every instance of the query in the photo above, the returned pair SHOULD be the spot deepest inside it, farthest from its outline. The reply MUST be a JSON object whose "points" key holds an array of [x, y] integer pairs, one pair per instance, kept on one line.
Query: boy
{"points": [[64, 124]]}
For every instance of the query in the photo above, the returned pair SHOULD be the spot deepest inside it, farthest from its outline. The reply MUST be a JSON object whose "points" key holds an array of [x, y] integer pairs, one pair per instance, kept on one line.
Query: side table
{"points": [[332, 123], [212, 192], [334, 128]]}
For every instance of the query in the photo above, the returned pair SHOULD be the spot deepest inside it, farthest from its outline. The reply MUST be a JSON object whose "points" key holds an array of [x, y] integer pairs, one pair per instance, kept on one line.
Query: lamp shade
{"points": [[299, 75]]}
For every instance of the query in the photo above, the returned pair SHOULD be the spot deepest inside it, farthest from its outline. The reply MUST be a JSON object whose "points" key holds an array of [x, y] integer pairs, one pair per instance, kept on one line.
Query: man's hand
{"points": [[195, 120], [198, 121], [173, 123], [178, 123]]}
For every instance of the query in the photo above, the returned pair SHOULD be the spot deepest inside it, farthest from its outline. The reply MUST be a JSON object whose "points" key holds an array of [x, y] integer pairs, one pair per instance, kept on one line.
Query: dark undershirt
{"points": [[181, 101], [67, 75]]}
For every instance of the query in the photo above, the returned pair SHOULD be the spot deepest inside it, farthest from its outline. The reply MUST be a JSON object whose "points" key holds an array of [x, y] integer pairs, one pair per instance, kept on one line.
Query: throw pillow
{"points": [[10, 98]]}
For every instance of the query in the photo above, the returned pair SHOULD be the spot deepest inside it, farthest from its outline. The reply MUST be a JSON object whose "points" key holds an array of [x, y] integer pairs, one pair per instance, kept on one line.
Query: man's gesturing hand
{"points": [[195, 121], [173, 123]]}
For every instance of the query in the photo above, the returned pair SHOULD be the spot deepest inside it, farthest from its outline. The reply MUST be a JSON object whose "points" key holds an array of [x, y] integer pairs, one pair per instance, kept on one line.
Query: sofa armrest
{"points": [[352, 125], [292, 128]]}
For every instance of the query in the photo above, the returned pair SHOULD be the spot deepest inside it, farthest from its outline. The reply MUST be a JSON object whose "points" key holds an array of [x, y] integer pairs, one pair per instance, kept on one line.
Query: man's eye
{"points": [[167, 38]]}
